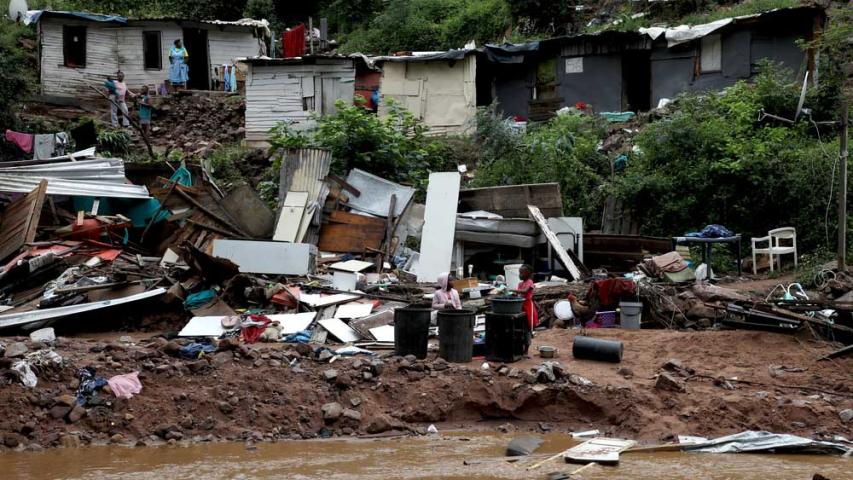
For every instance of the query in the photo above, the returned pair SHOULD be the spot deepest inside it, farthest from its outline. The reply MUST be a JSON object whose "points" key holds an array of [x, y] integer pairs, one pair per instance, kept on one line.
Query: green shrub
{"points": [[114, 141], [429, 25], [395, 147], [713, 161], [562, 150]]}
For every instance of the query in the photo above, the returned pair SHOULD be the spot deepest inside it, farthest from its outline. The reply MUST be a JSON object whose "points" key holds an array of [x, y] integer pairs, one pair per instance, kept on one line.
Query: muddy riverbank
{"points": [[722, 382], [432, 457]]}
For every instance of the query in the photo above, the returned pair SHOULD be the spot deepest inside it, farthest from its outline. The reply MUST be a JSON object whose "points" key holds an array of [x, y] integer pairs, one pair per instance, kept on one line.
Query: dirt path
{"points": [[255, 393]]}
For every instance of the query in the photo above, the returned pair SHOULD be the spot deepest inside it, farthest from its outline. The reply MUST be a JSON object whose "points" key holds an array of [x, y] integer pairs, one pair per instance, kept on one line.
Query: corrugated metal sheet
{"points": [[101, 169], [305, 170], [293, 92], [56, 186], [101, 177], [23, 318]]}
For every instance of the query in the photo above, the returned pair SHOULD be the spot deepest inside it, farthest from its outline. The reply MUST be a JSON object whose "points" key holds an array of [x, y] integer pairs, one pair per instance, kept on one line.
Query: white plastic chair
{"points": [[775, 247]]}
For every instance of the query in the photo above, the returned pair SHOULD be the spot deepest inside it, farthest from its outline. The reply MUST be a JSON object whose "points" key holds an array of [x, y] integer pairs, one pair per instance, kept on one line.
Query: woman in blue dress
{"points": [[178, 68]]}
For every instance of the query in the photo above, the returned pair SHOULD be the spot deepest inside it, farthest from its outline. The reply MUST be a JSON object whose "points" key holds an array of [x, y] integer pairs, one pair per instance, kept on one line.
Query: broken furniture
{"points": [[707, 246], [774, 247]]}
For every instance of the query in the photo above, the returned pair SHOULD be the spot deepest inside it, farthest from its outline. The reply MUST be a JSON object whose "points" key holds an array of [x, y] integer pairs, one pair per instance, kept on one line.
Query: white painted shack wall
{"points": [[275, 93], [101, 58], [110, 48], [443, 94]]}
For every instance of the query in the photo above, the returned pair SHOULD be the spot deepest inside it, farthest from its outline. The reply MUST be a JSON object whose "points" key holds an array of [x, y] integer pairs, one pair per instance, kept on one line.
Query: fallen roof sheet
{"points": [[376, 193], [686, 33], [99, 169], [22, 318], [100, 177], [752, 441], [58, 186]]}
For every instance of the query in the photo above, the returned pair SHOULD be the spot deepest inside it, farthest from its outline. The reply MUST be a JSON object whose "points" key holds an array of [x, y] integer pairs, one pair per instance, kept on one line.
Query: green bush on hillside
{"points": [[713, 161], [395, 147], [562, 150]]}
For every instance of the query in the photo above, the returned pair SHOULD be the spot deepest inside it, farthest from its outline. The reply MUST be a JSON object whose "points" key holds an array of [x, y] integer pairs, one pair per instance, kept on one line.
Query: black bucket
{"points": [[507, 305], [411, 331], [456, 335], [590, 348]]}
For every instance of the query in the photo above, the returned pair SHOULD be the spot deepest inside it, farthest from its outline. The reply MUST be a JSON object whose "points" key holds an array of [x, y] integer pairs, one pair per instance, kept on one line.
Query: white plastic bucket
{"points": [[512, 275], [630, 314], [563, 310]]}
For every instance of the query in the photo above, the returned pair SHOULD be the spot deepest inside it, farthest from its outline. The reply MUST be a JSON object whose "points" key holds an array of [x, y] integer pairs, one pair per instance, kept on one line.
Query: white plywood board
{"points": [[203, 327], [345, 281], [290, 217], [340, 330], [258, 256], [354, 310], [293, 322], [385, 333], [439, 225], [351, 265], [318, 300]]}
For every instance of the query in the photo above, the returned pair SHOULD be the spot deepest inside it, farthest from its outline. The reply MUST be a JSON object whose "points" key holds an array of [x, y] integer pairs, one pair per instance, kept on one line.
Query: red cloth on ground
{"points": [[610, 290], [294, 41], [24, 141], [529, 307], [251, 334]]}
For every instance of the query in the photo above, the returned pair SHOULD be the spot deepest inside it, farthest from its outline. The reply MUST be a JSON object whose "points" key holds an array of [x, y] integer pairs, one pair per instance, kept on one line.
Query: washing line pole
{"points": [[842, 191]]}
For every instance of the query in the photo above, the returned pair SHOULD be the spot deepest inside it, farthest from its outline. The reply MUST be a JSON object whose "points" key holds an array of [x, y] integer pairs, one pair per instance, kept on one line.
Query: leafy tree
{"points": [[395, 147], [562, 150], [430, 25]]}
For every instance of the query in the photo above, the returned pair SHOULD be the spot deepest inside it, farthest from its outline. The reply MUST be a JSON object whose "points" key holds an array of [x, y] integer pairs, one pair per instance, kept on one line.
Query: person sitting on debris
{"points": [[178, 68], [118, 91], [145, 110], [445, 295], [526, 289]]}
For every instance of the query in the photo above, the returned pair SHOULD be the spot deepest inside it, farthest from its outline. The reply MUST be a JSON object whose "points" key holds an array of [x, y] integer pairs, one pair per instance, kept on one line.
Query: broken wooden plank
{"points": [[20, 219], [350, 233], [598, 450], [555, 243]]}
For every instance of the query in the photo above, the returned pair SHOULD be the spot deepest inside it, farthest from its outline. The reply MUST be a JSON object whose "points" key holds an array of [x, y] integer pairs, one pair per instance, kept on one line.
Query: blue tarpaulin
{"points": [[92, 17]]}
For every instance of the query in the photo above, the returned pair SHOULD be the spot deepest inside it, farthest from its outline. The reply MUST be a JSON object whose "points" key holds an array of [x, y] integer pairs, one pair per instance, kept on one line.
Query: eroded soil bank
{"points": [[268, 392]]}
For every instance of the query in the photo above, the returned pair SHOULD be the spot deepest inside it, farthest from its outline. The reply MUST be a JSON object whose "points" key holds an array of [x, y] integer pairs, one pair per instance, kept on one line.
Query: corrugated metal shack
{"points": [[438, 88], [621, 71], [76, 46], [293, 90]]}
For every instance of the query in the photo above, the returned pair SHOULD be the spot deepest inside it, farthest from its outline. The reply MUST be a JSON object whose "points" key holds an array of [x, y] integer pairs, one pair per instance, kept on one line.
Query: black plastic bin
{"points": [[456, 335], [411, 331], [590, 348], [506, 336]]}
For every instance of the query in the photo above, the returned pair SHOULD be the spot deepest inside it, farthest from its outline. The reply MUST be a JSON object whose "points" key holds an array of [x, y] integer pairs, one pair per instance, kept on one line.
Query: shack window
{"points": [[74, 46], [152, 51], [711, 54]]}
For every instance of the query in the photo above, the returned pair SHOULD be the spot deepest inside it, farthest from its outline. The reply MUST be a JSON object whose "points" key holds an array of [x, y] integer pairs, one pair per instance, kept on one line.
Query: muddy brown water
{"points": [[434, 457]]}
